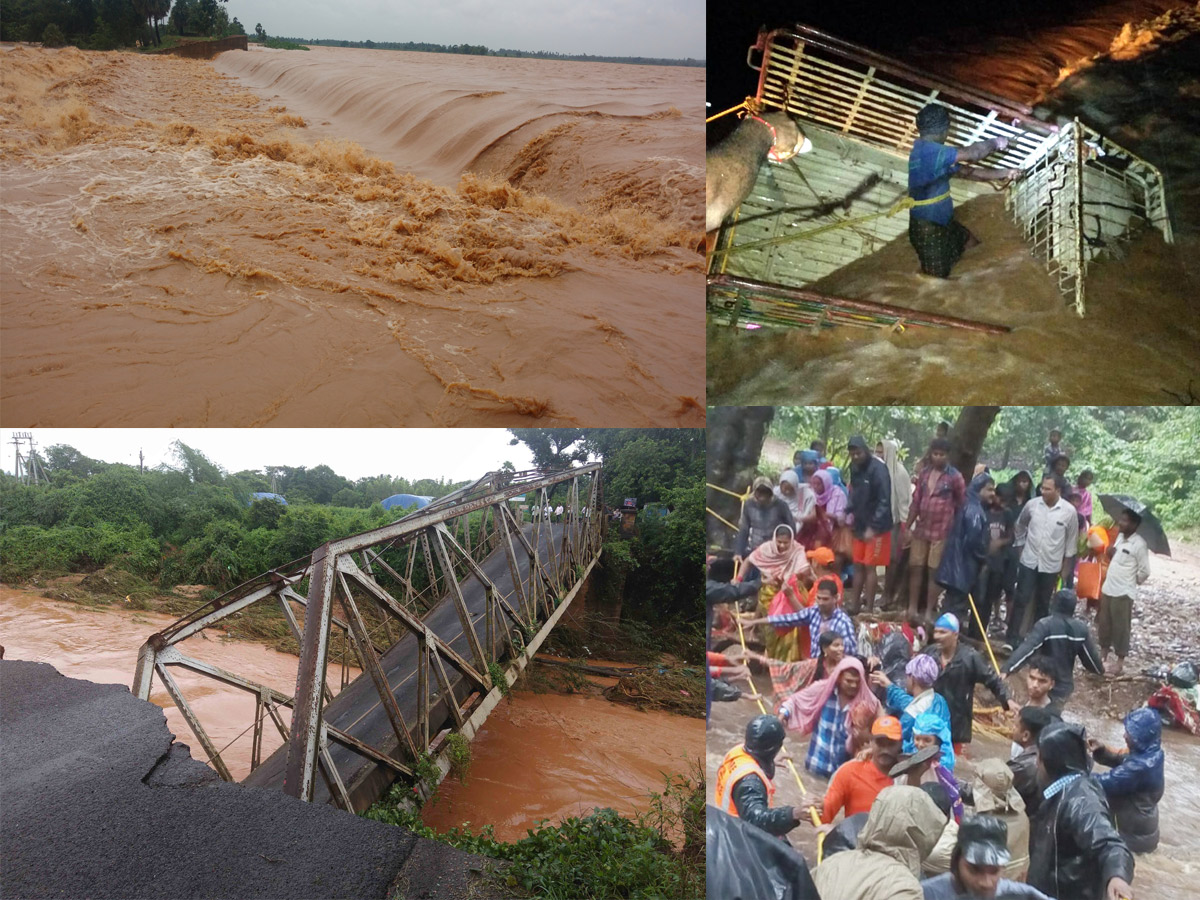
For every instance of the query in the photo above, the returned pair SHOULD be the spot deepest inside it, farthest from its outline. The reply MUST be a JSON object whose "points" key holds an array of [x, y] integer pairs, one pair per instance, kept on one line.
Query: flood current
{"points": [[538, 756]]}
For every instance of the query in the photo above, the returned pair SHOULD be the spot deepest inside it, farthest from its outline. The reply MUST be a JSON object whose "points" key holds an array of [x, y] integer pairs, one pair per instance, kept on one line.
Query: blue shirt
{"points": [[839, 623], [930, 166], [827, 749]]}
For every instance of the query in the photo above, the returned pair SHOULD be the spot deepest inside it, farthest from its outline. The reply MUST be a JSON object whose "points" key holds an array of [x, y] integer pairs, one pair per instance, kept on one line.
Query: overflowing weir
{"points": [[440, 611]]}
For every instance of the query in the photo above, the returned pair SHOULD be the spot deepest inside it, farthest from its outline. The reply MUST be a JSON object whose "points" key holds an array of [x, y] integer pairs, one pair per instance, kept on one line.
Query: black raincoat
{"points": [[870, 494], [750, 800], [1135, 785], [967, 544], [1062, 637], [1074, 849], [957, 684]]}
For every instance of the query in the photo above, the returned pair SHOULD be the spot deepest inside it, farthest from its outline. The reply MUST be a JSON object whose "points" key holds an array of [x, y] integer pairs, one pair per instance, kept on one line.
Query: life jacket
{"points": [[736, 766]]}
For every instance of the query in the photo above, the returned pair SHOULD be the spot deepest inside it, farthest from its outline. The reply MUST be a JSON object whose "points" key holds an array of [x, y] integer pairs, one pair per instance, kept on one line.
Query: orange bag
{"points": [[1087, 581]]}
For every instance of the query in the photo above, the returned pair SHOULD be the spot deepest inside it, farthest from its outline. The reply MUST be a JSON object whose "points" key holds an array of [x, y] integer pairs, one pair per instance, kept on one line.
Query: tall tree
{"points": [[735, 440], [967, 436], [552, 448]]}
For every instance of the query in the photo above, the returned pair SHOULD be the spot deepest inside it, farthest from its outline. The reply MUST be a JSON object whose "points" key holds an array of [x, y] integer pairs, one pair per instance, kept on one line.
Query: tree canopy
{"points": [[1146, 451]]}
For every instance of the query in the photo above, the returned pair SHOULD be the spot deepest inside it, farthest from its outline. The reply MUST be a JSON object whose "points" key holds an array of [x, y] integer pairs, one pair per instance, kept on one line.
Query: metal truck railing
{"points": [[1082, 193]]}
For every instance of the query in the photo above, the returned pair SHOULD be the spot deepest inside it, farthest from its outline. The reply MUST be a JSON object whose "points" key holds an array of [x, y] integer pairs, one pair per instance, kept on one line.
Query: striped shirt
{"points": [[838, 623], [827, 749]]}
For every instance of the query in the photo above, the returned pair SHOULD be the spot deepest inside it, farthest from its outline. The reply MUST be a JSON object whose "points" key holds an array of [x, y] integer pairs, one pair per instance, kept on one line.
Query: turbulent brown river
{"points": [[539, 756], [348, 237]]}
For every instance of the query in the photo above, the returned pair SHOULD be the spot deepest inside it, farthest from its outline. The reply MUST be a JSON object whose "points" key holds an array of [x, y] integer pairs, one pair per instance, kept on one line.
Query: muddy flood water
{"points": [[348, 237], [1166, 628], [1141, 333], [539, 756]]}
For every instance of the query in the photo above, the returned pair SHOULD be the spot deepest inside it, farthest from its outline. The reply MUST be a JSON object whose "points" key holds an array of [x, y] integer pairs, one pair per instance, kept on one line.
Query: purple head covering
{"points": [[923, 668]]}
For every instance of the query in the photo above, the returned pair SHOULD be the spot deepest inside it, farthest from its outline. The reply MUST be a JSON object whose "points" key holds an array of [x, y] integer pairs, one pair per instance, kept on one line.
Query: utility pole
{"points": [[141, 462]]}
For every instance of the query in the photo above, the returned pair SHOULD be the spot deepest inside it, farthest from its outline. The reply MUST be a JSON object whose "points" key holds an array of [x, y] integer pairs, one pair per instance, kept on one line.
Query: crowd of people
{"points": [[887, 703]]}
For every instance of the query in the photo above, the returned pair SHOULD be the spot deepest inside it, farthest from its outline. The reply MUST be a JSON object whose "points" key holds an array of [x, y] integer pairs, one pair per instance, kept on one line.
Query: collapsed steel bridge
{"points": [[438, 609]]}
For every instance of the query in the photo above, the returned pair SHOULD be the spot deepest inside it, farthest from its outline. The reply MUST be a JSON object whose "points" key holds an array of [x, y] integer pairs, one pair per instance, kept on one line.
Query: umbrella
{"points": [[1151, 529]]}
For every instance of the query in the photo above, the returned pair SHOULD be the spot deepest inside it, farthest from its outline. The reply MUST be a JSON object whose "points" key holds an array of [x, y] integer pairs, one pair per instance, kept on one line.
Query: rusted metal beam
{"points": [[909, 316], [460, 604], [366, 652], [184, 707], [310, 681]]}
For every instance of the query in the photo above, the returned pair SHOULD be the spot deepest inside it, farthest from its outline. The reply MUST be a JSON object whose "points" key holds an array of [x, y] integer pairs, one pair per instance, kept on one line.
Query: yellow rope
{"points": [[816, 820], [761, 706], [899, 206], [983, 631], [750, 104], [717, 487], [720, 519]]}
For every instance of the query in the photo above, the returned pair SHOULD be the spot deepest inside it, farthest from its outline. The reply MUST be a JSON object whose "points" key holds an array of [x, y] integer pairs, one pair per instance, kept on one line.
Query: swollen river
{"points": [[540, 756]]}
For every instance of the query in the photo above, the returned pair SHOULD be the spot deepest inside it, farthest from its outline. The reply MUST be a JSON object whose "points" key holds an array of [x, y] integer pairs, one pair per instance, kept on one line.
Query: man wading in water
{"points": [[932, 229]]}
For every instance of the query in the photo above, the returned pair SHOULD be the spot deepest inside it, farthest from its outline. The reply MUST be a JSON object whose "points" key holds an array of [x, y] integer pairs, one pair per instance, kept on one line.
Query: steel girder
{"points": [[440, 559]]}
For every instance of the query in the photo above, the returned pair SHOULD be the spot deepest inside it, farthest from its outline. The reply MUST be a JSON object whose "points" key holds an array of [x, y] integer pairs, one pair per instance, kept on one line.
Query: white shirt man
{"points": [[1128, 566], [1051, 533], [558, 512]]}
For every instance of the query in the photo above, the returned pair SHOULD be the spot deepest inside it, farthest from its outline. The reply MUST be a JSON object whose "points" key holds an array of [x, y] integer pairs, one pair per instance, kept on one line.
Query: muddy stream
{"points": [[1166, 628], [539, 756]]}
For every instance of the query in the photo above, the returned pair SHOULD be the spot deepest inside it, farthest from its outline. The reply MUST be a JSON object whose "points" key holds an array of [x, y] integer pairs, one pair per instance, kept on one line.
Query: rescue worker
{"points": [[1062, 637], [744, 780], [934, 233], [1074, 850], [1135, 784], [961, 669], [977, 861]]}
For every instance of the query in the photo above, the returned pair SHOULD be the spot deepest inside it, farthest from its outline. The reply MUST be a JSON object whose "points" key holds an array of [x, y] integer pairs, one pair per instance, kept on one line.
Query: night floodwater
{"points": [[1140, 337]]}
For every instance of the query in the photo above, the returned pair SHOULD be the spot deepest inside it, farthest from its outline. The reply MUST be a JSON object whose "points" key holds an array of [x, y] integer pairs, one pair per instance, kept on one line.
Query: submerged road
{"points": [[99, 801]]}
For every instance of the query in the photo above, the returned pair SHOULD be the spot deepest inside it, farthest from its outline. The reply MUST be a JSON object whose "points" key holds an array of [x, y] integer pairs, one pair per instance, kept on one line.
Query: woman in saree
{"points": [[783, 565], [832, 501]]}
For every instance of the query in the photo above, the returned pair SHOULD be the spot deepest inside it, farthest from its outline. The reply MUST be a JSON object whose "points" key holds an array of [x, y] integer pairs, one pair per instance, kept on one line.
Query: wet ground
{"points": [[1166, 629]]}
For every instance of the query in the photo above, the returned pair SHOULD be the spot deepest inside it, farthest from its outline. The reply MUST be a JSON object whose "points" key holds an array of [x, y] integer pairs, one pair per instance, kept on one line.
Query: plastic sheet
{"points": [[746, 863]]}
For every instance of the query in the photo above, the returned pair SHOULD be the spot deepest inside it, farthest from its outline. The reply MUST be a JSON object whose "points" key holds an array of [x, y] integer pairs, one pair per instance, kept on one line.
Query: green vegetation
{"points": [[190, 523], [1145, 451], [659, 854], [112, 24], [283, 44], [498, 679], [458, 753]]}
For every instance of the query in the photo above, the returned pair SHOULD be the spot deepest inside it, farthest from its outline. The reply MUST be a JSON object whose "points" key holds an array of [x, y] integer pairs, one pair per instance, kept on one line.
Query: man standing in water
{"points": [[745, 788], [932, 229], [871, 505]]}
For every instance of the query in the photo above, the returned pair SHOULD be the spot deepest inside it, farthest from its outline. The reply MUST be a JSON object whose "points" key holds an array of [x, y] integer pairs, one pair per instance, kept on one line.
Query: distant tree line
{"points": [[480, 50], [111, 24]]}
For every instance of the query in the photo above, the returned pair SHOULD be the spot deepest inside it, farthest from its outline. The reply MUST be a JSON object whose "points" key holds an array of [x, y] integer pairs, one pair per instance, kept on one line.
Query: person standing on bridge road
{"points": [[558, 512], [934, 233]]}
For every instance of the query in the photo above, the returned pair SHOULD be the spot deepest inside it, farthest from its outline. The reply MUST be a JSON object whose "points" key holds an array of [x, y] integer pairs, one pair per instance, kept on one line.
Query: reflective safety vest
{"points": [[736, 766]]}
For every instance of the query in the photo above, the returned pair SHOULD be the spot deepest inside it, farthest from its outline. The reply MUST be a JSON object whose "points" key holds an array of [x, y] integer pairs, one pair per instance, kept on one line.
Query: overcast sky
{"points": [[667, 29], [457, 454]]}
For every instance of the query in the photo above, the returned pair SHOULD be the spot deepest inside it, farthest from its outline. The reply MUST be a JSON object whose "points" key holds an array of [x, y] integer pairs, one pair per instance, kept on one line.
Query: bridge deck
{"points": [[358, 710]]}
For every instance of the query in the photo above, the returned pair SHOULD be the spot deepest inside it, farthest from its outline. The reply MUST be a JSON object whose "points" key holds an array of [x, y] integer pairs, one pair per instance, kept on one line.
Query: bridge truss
{"points": [[432, 632]]}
